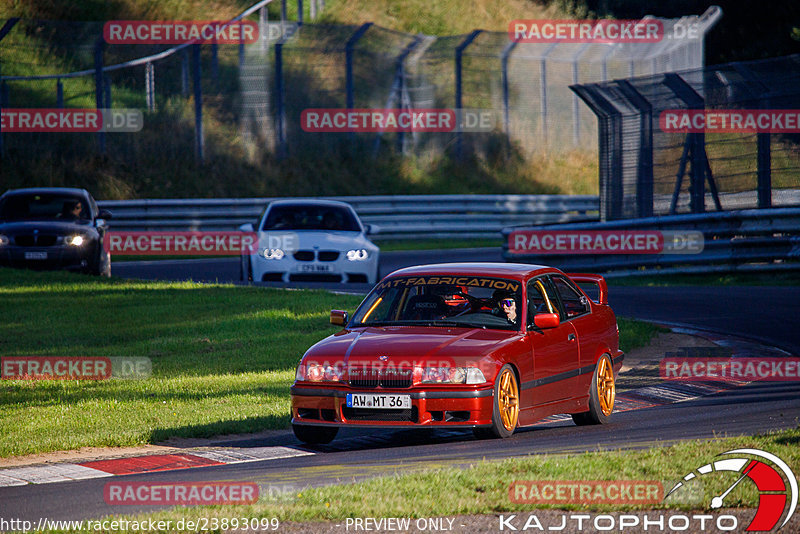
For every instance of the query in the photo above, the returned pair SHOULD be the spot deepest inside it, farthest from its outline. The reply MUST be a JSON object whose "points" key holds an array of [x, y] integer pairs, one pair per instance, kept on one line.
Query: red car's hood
{"points": [[406, 346]]}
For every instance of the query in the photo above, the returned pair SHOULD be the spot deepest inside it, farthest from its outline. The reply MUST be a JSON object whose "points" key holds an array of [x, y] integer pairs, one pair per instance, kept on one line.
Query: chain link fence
{"points": [[258, 91], [647, 169]]}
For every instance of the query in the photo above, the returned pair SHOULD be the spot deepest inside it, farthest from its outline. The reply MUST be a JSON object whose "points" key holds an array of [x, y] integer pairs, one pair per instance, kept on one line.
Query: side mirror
{"points": [[248, 227], [339, 317], [370, 229], [104, 214], [546, 320]]}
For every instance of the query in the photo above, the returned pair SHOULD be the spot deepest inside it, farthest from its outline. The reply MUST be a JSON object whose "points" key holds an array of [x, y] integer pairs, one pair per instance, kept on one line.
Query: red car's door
{"points": [[554, 352]]}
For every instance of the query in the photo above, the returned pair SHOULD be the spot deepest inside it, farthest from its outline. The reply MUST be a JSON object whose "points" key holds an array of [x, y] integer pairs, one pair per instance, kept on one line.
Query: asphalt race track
{"points": [[765, 313]]}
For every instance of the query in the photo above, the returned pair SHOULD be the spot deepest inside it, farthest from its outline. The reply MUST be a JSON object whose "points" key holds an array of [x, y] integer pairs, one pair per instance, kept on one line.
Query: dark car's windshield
{"points": [[443, 301], [25, 207], [310, 217]]}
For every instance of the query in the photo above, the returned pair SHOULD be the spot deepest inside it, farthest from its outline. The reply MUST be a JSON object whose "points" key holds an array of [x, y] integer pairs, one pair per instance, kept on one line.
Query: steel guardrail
{"points": [[747, 240], [396, 216]]}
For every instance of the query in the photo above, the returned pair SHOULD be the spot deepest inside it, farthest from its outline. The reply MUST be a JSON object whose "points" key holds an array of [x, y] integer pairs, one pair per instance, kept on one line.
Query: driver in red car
{"points": [[506, 305]]}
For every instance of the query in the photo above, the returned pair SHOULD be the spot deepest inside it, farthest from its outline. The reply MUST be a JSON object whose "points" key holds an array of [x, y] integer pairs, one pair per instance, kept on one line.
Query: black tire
{"points": [[315, 435], [596, 415], [499, 428], [245, 273]]}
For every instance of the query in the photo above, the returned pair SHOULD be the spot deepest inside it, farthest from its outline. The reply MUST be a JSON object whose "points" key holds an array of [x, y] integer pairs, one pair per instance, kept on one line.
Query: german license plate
{"points": [[36, 255], [313, 268], [382, 401]]}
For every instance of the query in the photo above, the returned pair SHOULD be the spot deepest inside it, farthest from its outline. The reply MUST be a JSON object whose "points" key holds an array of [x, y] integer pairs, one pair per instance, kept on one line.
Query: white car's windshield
{"points": [[443, 301], [310, 217]]}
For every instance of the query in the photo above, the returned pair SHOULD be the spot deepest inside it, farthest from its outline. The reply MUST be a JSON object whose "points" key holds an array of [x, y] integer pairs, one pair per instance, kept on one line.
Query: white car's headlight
{"points": [[74, 240], [274, 253], [3, 240], [357, 255]]}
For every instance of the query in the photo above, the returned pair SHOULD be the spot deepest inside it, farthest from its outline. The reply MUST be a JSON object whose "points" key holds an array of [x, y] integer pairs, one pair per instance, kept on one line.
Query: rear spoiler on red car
{"points": [[588, 278]]}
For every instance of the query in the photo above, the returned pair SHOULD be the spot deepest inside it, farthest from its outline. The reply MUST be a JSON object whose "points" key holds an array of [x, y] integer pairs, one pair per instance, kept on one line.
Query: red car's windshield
{"points": [[443, 301]]}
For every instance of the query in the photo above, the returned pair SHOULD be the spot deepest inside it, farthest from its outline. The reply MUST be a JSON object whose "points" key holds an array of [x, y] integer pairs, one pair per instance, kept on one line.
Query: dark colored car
{"points": [[53, 228]]}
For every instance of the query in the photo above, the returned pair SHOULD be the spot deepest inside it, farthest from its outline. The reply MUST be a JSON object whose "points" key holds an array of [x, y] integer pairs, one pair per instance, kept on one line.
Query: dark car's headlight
{"points": [[74, 240], [3, 240], [357, 255]]}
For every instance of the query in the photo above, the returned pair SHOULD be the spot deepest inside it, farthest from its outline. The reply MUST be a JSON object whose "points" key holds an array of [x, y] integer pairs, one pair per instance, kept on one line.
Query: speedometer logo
{"points": [[773, 494]]}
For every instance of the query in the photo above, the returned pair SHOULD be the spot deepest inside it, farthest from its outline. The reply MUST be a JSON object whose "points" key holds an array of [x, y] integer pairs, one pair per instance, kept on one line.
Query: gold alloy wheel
{"points": [[606, 391], [508, 400]]}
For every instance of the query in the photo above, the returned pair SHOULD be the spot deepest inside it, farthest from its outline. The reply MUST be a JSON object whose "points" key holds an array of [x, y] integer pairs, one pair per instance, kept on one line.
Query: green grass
{"points": [[634, 334], [483, 487], [223, 357]]}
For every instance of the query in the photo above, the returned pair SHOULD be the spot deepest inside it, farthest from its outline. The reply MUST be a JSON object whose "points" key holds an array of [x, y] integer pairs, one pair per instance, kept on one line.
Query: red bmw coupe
{"points": [[487, 346]]}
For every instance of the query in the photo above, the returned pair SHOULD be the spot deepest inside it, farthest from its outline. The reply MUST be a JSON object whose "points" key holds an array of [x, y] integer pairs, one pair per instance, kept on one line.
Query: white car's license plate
{"points": [[313, 268], [36, 255], [382, 401]]}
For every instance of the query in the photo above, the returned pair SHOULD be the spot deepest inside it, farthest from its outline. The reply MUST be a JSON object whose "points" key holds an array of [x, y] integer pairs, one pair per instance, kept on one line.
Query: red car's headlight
{"points": [[319, 373], [448, 375]]}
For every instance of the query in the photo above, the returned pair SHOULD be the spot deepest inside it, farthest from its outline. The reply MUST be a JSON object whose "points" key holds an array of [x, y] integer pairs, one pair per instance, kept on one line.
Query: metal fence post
{"points": [[609, 154], [241, 46], [263, 29], [299, 12], [504, 62], [150, 86], [59, 94], [763, 139], [98, 89], [107, 90], [198, 106], [644, 172], [697, 141], [458, 100], [348, 61], [185, 72], [543, 89], [350, 97], [280, 106], [764, 170], [215, 65], [576, 112]]}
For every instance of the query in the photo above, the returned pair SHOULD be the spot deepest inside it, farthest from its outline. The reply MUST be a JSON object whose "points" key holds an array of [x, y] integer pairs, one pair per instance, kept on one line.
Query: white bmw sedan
{"points": [[311, 241]]}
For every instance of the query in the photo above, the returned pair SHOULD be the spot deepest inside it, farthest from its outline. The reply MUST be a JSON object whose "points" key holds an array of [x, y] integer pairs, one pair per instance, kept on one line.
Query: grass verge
{"points": [[223, 357], [483, 487]]}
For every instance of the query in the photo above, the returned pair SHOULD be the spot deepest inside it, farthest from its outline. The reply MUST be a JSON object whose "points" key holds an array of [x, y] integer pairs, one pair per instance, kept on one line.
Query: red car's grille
{"points": [[384, 378]]}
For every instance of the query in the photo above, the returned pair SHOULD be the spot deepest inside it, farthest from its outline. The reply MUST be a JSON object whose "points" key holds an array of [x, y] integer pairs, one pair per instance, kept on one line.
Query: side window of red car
{"points": [[574, 302], [539, 301]]}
